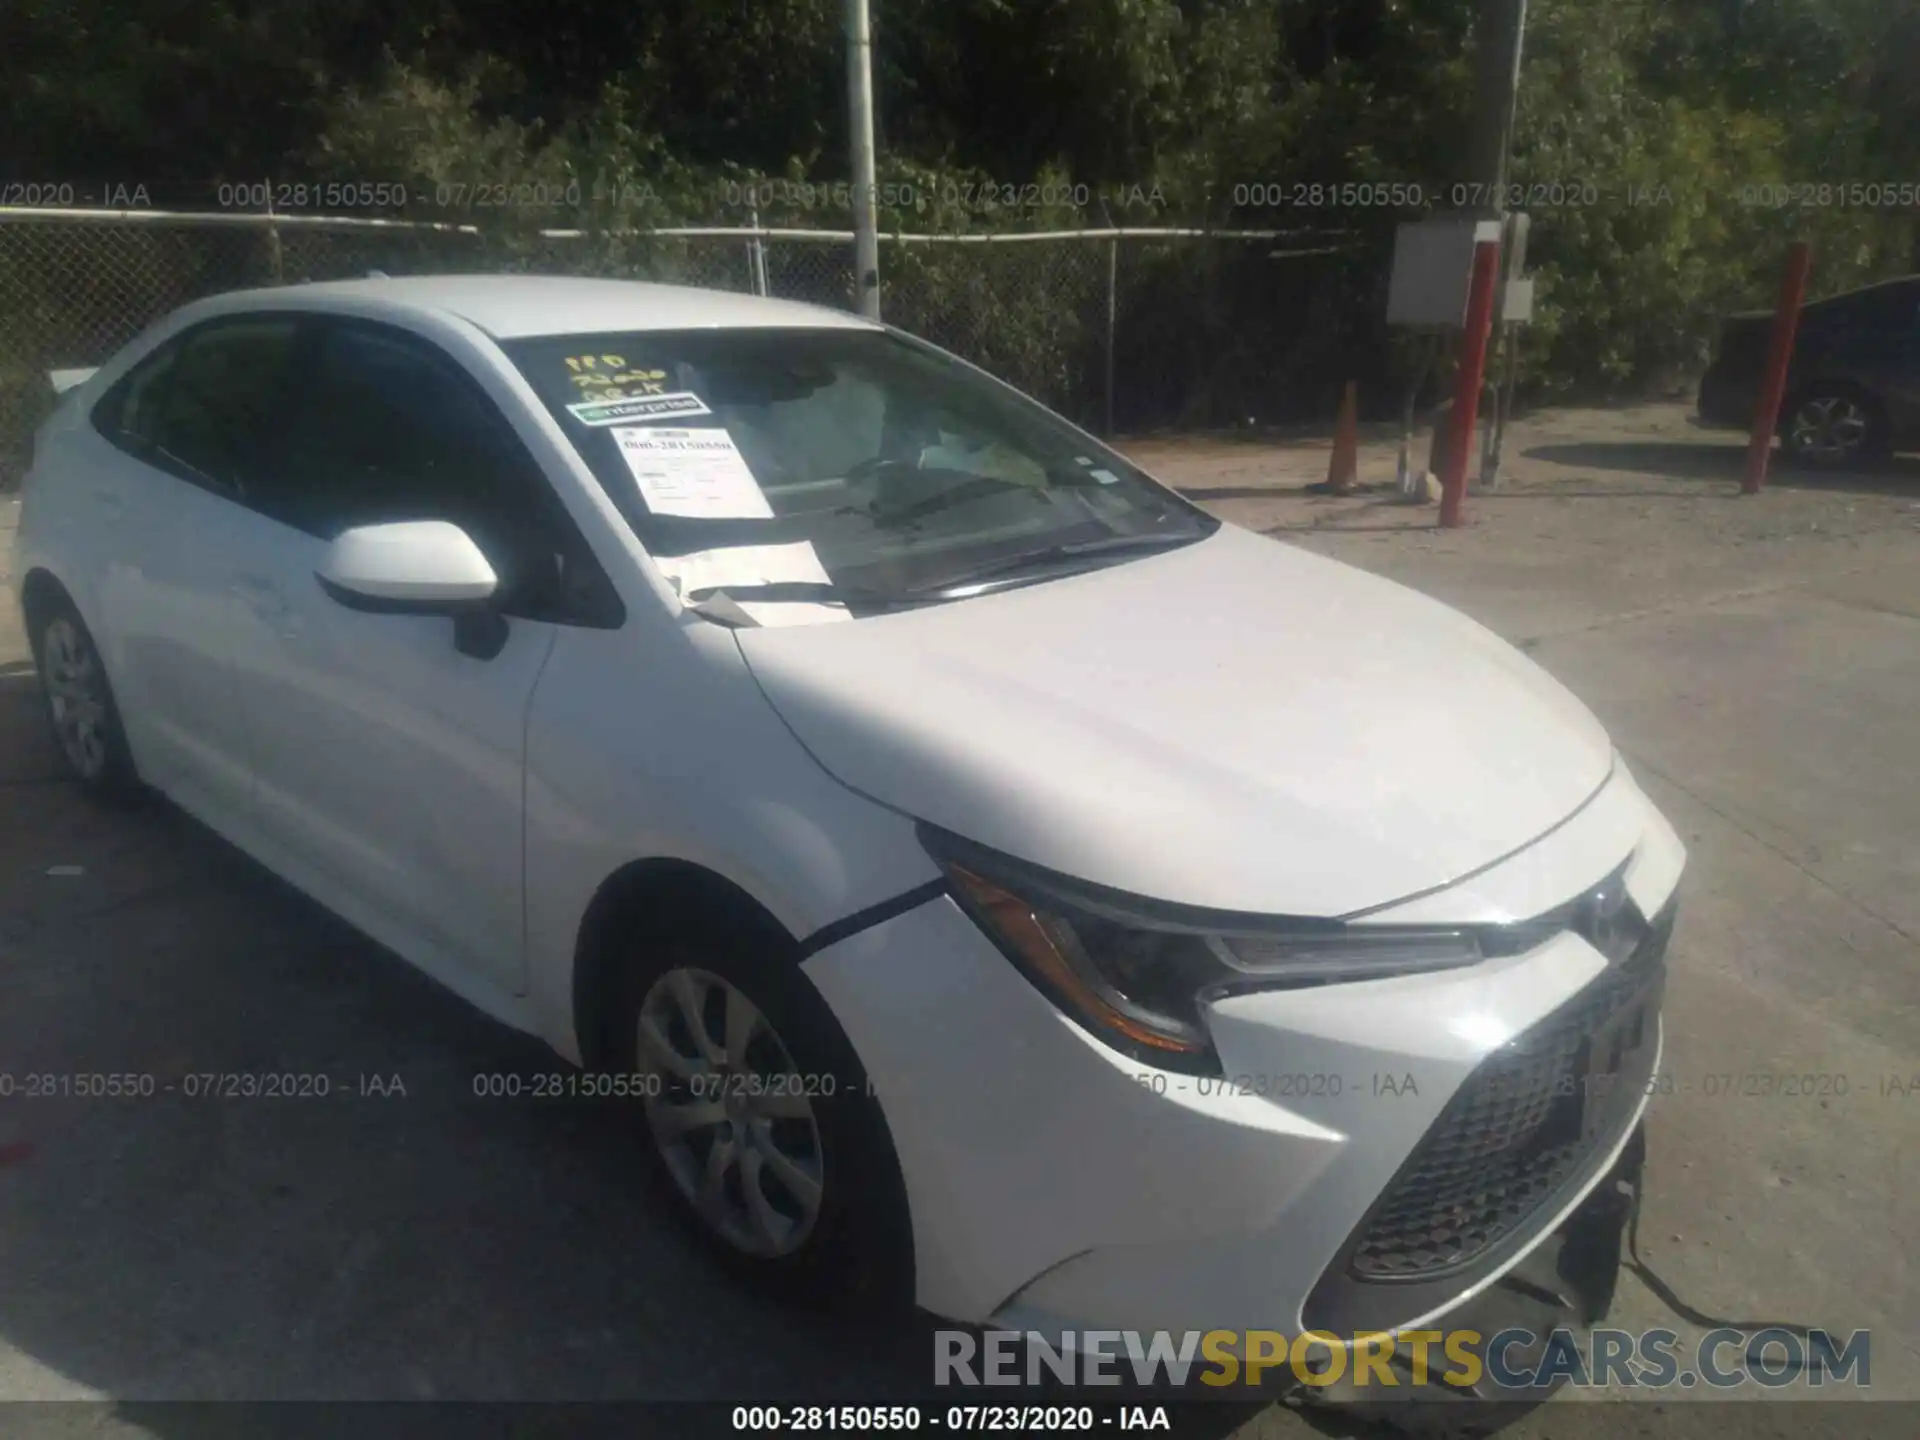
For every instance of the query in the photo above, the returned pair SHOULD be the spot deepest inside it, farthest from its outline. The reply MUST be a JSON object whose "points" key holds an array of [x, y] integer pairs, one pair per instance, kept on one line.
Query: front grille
{"points": [[1523, 1124]]}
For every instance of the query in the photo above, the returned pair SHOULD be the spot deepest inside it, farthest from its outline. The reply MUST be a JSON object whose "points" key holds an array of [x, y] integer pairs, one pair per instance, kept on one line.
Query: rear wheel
{"points": [[81, 710], [758, 1117], [1833, 428]]}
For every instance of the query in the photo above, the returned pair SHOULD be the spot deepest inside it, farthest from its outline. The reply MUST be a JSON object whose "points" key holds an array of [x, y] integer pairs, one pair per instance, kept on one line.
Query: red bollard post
{"points": [[1467, 381], [1343, 466], [1773, 383]]}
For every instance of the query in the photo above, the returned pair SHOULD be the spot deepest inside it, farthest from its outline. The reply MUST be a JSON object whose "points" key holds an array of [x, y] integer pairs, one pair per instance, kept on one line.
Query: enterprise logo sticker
{"points": [[638, 407]]}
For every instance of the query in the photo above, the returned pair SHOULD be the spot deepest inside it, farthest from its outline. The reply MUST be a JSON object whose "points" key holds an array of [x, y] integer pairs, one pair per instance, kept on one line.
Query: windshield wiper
{"points": [[1055, 557], [721, 603], [803, 592]]}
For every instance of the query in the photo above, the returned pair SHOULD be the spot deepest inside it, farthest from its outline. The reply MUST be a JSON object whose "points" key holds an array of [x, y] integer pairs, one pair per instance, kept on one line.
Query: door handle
{"points": [[261, 593], [268, 601]]}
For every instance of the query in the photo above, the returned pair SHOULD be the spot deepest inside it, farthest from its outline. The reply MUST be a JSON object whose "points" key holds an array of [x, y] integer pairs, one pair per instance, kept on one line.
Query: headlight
{"points": [[1137, 972]]}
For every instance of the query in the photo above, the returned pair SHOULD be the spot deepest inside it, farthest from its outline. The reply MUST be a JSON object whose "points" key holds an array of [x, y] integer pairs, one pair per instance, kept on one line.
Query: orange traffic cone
{"points": [[1343, 467]]}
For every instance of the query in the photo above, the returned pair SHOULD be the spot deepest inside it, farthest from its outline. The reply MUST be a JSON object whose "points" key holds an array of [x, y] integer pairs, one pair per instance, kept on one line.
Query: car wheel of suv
{"points": [[759, 1117], [80, 706], [1831, 428]]}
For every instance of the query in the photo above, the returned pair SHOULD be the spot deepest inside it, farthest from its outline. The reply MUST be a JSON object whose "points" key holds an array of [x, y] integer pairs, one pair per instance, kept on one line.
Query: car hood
{"points": [[1237, 724]]}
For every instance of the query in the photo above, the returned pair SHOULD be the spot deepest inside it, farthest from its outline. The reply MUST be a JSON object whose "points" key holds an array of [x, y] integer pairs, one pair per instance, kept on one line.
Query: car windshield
{"points": [[820, 473]]}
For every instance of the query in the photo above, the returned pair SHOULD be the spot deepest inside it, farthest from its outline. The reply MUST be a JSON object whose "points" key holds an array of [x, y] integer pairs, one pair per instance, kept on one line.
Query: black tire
{"points": [[82, 713], [1831, 427], [857, 1253]]}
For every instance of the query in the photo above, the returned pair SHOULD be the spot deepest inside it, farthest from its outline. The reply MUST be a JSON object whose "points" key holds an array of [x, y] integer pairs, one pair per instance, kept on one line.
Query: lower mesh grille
{"points": [[1523, 1124]]}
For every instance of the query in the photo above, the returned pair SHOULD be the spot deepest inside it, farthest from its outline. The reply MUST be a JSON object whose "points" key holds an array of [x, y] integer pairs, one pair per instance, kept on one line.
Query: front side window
{"points": [[387, 428], [854, 466], [385, 431]]}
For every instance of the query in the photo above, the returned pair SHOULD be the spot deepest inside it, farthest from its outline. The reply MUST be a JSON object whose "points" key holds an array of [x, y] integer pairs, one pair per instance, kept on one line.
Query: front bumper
{"points": [[1058, 1185], [1566, 1283]]}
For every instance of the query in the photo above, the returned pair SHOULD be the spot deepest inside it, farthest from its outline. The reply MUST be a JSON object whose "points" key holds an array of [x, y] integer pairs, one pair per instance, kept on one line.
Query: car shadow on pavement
{"points": [[366, 1225], [264, 1160], [27, 753], [1680, 460], [301, 1187]]}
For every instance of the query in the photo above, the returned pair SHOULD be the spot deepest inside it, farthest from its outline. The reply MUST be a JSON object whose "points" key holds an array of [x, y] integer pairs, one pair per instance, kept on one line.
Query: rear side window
{"points": [[204, 406], [125, 414], [1878, 308], [222, 399]]}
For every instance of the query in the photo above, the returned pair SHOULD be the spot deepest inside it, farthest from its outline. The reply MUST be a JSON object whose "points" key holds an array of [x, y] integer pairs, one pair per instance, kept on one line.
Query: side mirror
{"points": [[415, 567], [418, 567]]}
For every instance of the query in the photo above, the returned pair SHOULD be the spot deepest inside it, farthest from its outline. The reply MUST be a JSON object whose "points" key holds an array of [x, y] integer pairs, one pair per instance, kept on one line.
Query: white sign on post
{"points": [[1432, 269]]}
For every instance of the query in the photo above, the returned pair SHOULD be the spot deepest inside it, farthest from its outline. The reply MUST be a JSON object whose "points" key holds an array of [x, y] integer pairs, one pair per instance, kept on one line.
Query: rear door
{"points": [[180, 443], [388, 765]]}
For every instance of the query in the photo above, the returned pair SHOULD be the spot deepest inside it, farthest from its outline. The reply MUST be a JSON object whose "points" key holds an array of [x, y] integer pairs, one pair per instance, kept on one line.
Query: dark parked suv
{"points": [[1853, 390]]}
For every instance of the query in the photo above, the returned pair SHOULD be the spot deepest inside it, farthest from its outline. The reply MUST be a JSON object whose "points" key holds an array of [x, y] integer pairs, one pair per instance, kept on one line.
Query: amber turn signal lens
{"points": [[1019, 926]]}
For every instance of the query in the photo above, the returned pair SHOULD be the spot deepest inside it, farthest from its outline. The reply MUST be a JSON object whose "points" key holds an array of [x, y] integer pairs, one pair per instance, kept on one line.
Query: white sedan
{"points": [[993, 881]]}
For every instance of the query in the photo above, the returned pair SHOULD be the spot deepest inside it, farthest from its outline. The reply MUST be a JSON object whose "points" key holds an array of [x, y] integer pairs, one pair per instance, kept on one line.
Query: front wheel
{"points": [[759, 1117], [1832, 428]]}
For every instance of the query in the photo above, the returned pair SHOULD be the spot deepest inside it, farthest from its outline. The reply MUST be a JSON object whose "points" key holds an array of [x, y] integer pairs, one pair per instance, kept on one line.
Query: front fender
{"points": [[654, 742]]}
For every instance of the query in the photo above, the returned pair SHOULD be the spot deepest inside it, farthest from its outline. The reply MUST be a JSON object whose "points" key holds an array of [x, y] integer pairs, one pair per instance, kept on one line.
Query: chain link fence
{"points": [[1123, 331]]}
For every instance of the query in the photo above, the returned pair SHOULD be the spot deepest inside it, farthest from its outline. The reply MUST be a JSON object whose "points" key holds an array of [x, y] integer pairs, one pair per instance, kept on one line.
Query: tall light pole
{"points": [[866, 234], [1496, 96]]}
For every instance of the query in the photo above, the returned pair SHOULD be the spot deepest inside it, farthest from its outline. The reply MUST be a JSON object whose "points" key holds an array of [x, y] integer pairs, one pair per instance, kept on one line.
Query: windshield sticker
{"points": [[614, 408], [744, 565], [594, 372], [1105, 477], [695, 473]]}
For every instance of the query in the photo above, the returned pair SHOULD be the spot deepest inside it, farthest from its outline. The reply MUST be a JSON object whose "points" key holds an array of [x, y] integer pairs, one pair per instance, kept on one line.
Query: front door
{"points": [[384, 758]]}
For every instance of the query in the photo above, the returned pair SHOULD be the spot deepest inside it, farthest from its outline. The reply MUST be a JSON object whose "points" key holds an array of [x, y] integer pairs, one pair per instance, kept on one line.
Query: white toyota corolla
{"points": [[993, 880]]}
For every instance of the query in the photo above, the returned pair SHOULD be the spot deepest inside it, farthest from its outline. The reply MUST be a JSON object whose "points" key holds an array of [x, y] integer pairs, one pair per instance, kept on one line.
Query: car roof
{"points": [[518, 306], [1896, 291]]}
